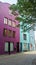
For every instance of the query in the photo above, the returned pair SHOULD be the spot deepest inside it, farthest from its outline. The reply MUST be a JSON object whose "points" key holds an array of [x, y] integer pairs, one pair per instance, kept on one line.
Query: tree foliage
{"points": [[27, 11]]}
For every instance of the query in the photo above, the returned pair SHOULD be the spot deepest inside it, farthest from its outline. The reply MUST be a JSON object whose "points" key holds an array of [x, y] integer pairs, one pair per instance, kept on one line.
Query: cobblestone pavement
{"points": [[24, 58]]}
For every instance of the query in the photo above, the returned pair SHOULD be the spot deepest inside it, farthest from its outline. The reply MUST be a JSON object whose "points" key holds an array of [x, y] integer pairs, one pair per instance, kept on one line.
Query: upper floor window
{"points": [[13, 34], [5, 32], [9, 33], [24, 36], [13, 24], [10, 12], [9, 22], [5, 20]]}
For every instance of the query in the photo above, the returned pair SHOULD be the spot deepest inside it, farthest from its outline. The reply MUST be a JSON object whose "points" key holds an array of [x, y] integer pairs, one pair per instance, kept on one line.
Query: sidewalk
{"points": [[20, 53], [7, 55]]}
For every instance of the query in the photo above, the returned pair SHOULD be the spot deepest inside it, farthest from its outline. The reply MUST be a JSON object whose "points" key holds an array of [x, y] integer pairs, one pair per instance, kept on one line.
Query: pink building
{"points": [[9, 33]]}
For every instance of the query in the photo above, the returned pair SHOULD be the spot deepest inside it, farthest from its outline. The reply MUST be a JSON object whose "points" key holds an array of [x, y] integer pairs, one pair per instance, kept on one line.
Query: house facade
{"points": [[24, 40], [32, 40], [27, 40], [9, 33]]}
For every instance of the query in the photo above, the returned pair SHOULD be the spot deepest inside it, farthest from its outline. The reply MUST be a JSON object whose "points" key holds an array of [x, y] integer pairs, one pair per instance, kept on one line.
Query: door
{"points": [[17, 46], [20, 47]]}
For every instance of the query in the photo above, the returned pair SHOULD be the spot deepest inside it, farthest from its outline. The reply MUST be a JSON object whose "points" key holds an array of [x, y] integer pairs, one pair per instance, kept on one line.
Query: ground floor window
{"points": [[25, 46], [9, 46], [6, 46]]}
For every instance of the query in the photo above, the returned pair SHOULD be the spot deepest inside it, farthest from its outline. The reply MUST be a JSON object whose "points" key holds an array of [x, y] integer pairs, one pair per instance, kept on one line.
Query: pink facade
{"points": [[8, 44]]}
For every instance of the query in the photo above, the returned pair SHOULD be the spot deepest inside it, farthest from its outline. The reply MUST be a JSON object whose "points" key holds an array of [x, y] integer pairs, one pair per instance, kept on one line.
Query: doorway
{"points": [[20, 47], [17, 46]]}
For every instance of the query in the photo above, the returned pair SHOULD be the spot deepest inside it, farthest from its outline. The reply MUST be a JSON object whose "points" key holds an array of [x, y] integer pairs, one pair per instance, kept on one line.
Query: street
{"points": [[24, 58]]}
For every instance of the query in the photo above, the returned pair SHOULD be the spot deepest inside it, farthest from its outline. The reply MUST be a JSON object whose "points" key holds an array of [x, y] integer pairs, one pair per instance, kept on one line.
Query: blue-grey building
{"points": [[27, 40], [24, 40], [32, 40]]}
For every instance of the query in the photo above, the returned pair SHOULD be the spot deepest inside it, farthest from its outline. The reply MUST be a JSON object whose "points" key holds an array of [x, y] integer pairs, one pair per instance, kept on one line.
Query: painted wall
{"points": [[24, 41], [32, 40], [4, 12]]}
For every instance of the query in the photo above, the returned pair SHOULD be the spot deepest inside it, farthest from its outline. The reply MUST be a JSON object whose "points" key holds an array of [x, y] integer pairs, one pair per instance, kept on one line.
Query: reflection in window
{"points": [[9, 33], [9, 22], [13, 34], [5, 20], [24, 36], [25, 46], [10, 12], [11, 46], [5, 32], [13, 24], [6, 46]]}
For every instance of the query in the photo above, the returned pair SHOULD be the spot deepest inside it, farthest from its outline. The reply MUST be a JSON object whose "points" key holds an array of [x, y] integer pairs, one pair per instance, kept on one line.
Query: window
{"points": [[13, 34], [5, 32], [24, 36], [11, 46], [9, 22], [9, 33], [6, 46], [5, 20], [13, 24], [10, 12], [25, 46]]}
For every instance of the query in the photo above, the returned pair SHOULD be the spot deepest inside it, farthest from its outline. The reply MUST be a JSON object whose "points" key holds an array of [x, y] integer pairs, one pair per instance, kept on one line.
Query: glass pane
{"points": [[10, 12], [25, 46], [5, 20], [24, 36], [13, 24], [11, 46], [9, 22], [5, 32], [9, 32], [6, 46], [13, 34]]}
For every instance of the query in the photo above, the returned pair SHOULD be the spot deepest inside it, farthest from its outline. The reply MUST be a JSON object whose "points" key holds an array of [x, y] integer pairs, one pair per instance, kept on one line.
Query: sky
{"points": [[9, 1]]}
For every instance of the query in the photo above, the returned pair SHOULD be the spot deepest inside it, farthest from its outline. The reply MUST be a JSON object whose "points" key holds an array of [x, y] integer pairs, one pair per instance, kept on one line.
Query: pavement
{"points": [[23, 58]]}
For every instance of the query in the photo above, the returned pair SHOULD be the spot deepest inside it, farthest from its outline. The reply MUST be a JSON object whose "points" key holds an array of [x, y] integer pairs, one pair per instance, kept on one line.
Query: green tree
{"points": [[27, 11]]}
